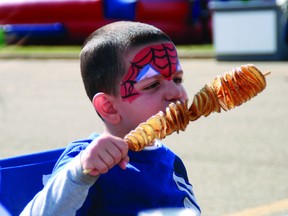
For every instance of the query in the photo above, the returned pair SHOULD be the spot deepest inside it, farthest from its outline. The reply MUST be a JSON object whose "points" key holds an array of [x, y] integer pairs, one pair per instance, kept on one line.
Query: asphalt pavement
{"points": [[237, 160]]}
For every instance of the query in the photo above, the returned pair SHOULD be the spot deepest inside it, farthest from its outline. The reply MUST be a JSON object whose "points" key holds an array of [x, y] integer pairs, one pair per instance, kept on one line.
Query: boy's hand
{"points": [[104, 153]]}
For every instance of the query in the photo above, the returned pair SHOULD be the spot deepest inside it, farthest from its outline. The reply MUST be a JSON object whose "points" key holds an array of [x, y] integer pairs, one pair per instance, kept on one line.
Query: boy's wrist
{"points": [[78, 172]]}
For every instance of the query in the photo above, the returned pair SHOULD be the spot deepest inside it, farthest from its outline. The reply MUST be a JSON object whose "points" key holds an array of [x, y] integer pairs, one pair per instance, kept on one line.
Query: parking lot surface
{"points": [[237, 160]]}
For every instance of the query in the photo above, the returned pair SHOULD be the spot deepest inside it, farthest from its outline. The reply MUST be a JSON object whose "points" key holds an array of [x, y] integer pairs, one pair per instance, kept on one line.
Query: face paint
{"points": [[151, 61]]}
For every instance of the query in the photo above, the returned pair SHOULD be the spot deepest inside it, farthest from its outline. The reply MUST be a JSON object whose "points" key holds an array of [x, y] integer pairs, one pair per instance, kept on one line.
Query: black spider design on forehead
{"points": [[163, 58]]}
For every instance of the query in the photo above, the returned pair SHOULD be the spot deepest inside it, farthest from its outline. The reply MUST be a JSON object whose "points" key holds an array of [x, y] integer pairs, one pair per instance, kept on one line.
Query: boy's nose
{"points": [[173, 91]]}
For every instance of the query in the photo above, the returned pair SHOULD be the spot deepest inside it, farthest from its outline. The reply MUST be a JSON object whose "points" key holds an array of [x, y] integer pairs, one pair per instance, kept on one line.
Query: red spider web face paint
{"points": [[157, 59]]}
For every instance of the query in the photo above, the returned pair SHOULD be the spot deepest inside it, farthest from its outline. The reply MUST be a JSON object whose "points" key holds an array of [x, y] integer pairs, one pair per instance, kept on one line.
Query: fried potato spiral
{"points": [[176, 118], [227, 91]]}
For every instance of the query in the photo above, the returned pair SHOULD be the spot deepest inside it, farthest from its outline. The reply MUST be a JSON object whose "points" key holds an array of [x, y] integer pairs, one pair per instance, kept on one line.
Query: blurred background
{"points": [[236, 29], [71, 21]]}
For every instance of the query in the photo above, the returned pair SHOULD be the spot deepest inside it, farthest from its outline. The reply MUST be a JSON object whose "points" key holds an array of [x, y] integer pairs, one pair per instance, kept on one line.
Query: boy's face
{"points": [[153, 80]]}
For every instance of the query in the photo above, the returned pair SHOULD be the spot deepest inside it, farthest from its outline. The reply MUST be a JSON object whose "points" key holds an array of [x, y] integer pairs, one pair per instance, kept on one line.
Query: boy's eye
{"points": [[178, 80], [152, 85]]}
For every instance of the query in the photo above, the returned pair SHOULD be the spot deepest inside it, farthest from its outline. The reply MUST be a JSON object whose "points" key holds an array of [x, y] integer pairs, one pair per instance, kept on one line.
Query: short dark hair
{"points": [[101, 58]]}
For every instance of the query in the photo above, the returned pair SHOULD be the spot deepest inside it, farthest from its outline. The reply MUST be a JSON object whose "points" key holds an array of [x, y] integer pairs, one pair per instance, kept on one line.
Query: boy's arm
{"points": [[68, 188], [64, 194]]}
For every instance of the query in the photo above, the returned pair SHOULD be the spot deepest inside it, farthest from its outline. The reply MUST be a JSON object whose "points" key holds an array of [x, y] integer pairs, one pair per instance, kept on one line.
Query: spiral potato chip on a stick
{"points": [[227, 91], [176, 118]]}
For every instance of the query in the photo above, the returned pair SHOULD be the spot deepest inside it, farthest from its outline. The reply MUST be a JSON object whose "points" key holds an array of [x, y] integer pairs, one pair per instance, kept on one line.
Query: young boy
{"points": [[130, 71]]}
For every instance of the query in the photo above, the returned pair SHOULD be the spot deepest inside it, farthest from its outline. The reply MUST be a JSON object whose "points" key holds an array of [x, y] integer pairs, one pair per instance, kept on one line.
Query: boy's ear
{"points": [[103, 104]]}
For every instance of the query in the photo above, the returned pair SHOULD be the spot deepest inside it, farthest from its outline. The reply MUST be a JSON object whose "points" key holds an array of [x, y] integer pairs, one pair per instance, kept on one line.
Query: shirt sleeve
{"points": [[63, 194]]}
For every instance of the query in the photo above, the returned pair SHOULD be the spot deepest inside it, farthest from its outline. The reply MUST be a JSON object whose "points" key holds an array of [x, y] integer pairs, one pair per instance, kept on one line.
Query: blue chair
{"points": [[21, 177]]}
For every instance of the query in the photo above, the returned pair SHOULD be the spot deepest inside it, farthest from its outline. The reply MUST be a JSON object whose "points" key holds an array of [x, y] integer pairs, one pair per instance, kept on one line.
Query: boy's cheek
{"points": [[128, 92]]}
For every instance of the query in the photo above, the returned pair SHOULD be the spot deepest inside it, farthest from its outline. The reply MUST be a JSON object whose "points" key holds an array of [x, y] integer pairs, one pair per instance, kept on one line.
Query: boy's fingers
{"points": [[108, 158], [123, 163], [123, 146], [94, 164], [118, 150], [107, 153]]}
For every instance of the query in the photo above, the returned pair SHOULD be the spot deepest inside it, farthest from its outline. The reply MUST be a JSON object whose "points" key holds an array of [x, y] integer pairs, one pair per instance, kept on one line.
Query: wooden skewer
{"points": [[267, 73], [86, 171]]}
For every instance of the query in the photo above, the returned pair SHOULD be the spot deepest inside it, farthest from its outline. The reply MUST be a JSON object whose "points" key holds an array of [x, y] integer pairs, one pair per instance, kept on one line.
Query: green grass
{"points": [[71, 52], [39, 49], [76, 49], [202, 47]]}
